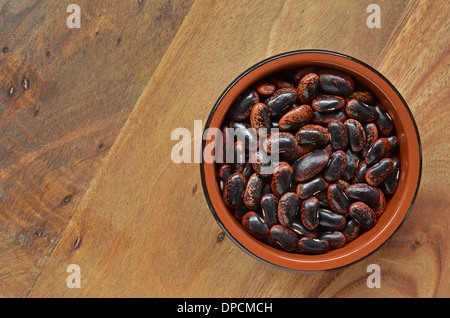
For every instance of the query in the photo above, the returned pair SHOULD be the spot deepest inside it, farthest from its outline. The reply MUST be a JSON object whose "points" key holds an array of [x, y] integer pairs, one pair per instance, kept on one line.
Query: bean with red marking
{"points": [[326, 103], [336, 166], [310, 213], [224, 173], [356, 135], [335, 238], [338, 134], [288, 207], [234, 188], [281, 99], [391, 182], [311, 245], [358, 110], [365, 97], [243, 106], [309, 165], [368, 194], [301, 231], [314, 135], [379, 172], [266, 89], [253, 192], [331, 221], [324, 118], [361, 172], [281, 179], [351, 230], [371, 131], [379, 150], [281, 141], [310, 188], [295, 118], [383, 121], [352, 165], [337, 199], [269, 208], [363, 214], [260, 118], [284, 237], [255, 225], [336, 82], [307, 88]]}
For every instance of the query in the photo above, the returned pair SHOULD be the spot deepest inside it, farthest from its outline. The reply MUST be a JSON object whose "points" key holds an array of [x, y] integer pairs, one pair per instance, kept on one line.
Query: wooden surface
{"points": [[86, 175]]}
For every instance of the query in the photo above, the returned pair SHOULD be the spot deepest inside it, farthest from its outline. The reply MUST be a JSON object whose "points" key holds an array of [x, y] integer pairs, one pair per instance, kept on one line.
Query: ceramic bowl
{"points": [[397, 208]]}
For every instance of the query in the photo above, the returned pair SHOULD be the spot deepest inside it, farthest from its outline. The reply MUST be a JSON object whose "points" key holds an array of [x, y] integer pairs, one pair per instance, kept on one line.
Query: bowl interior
{"points": [[397, 207]]}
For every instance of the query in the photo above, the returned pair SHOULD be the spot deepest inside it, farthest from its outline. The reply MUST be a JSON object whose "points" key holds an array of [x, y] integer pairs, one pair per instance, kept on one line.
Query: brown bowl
{"points": [[398, 206]]}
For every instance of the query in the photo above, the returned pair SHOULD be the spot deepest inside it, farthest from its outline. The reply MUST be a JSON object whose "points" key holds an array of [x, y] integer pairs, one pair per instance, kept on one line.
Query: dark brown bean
{"points": [[356, 135], [352, 165], [224, 174], [234, 188], [311, 245], [379, 172], [383, 121], [281, 99], [313, 135], [280, 82], [248, 170], [309, 188], [326, 117], [336, 82], [296, 153], [336, 166], [245, 133], [335, 238], [261, 163], [288, 207], [394, 143], [310, 213], [284, 237], [338, 134], [331, 221], [281, 141], [240, 211], [296, 118], [281, 179], [337, 199], [369, 195], [379, 150], [260, 118], [371, 131], [255, 225], [358, 110], [243, 106], [361, 172], [269, 207], [253, 192], [363, 214], [307, 88], [391, 182], [309, 165], [327, 103], [239, 156], [301, 231], [351, 230]]}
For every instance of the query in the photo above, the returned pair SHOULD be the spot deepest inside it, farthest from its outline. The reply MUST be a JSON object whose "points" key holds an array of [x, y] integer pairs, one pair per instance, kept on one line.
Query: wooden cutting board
{"points": [[142, 227]]}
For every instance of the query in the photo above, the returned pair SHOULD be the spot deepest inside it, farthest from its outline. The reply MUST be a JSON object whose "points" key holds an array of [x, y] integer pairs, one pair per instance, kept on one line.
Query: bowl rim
{"points": [[251, 69]]}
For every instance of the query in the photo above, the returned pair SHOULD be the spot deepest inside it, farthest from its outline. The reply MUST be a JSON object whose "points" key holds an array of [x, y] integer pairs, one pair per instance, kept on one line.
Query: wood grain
{"points": [[144, 226], [64, 96]]}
